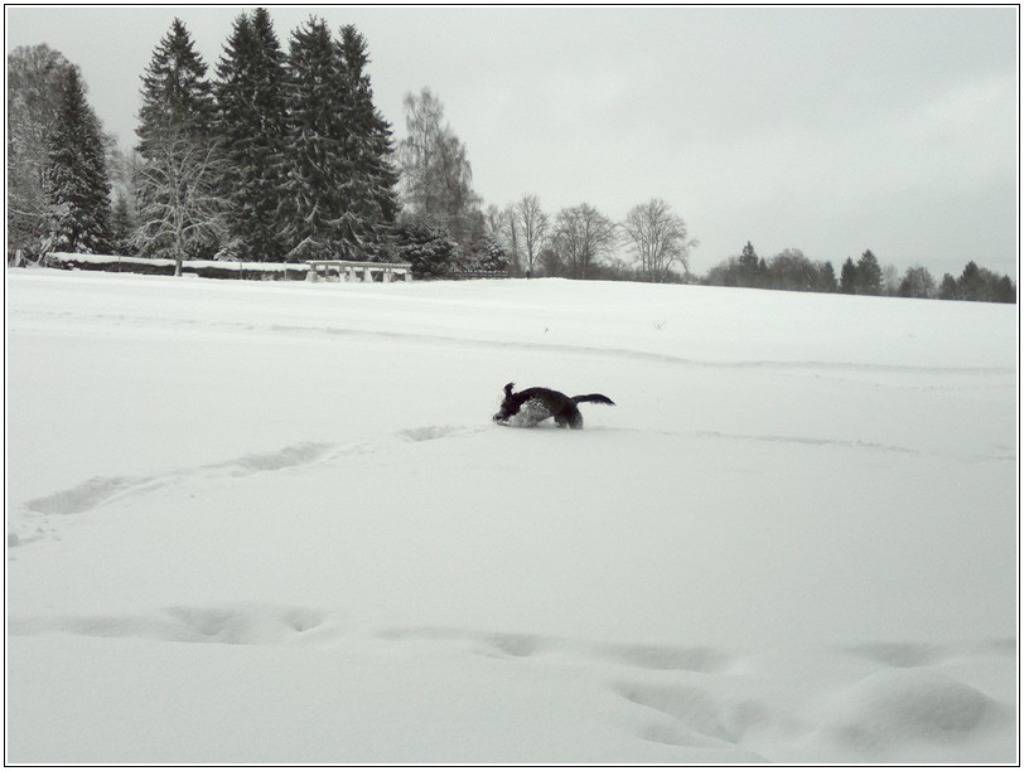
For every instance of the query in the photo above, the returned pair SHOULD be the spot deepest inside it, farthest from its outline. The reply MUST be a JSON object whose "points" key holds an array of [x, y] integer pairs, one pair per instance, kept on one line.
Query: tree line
{"points": [[791, 270], [281, 155]]}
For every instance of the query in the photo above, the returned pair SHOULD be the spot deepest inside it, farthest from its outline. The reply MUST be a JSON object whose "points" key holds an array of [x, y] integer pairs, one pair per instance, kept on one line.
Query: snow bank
{"points": [[295, 535]]}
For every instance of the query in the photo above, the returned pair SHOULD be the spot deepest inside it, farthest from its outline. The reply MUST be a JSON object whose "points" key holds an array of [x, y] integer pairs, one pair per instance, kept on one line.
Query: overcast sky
{"points": [[830, 130]]}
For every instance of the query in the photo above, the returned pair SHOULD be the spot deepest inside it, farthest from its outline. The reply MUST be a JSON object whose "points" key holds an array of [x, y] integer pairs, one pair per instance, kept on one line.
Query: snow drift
{"points": [[266, 522]]}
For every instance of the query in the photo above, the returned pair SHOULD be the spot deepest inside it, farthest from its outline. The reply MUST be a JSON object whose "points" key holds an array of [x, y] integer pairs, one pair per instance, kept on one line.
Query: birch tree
{"points": [[436, 176]]}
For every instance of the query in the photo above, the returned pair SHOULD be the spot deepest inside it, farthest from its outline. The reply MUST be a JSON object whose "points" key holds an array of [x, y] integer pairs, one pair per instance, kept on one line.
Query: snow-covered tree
{"points": [[431, 252], [77, 185], [314, 165], [370, 146], [250, 124], [34, 78], [182, 212], [177, 147], [177, 98]]}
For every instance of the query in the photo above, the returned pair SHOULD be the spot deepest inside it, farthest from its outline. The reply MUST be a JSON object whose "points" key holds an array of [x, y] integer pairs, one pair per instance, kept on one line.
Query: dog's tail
{"points": [[596, 398]]}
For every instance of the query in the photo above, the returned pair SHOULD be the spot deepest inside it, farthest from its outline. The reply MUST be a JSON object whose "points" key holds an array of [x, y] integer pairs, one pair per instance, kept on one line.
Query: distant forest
{"points": [[280, 155]]}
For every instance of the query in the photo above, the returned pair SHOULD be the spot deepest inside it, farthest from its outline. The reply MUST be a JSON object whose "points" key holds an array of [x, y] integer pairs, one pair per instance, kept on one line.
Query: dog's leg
{"points": [[570, 418]]}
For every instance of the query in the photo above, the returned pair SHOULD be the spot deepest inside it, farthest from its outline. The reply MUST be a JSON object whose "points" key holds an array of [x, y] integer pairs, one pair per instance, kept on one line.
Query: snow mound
{"points": [[894, 713]]}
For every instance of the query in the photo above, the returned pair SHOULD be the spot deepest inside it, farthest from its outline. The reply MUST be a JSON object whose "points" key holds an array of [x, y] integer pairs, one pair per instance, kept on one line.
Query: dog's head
{"points": [[508, 406]]}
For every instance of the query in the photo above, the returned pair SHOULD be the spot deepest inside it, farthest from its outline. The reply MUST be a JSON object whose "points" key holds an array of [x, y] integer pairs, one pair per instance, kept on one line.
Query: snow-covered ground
{"points": [[270, 522]]}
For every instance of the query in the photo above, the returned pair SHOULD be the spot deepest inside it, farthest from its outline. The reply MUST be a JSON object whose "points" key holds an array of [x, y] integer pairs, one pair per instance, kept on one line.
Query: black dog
{"points": [[528, 408]]}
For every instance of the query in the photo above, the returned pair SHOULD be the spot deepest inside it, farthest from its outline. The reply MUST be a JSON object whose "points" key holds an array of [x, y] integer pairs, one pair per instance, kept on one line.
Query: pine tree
{"points": [[948, 289], [176, 96], [121, 226], [971, 284], [180, 171], [869, 274], [250, 124], [1005, 290], [848, 277], [314, 163], [370, 146], [749, 264], [828, 278], [77, 184]]}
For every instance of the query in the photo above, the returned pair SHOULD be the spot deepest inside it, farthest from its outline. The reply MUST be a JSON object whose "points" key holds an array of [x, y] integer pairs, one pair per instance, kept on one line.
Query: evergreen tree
{"points": [[371, 147], [176, 96], [948, 289], [971, 284], [250, 124], [848, 277], [121, 226], [869, 274], [827, 278], [315, 166], [749, 265], [77, 184], [1005, 291], [177, 148], [431, 252]]}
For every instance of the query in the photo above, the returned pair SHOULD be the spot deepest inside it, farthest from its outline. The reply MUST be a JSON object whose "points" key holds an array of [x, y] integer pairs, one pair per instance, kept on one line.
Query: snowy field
{"points": [[270, 522]]}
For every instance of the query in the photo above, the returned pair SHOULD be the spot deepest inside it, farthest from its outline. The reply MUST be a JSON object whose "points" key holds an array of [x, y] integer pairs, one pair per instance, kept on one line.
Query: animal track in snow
{"points": [[523, 645], [907, 655], [664, 657], [427, 433], [98, 490], [287, 457], [85, 496], [236, 624]]}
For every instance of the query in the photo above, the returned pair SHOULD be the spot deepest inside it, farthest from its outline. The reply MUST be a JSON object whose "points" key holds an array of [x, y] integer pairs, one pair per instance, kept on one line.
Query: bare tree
{"points": [[34, 75], [534, 225], [659, 239], [582, 235], [890, 281], [179, 209], [513, 235]]}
